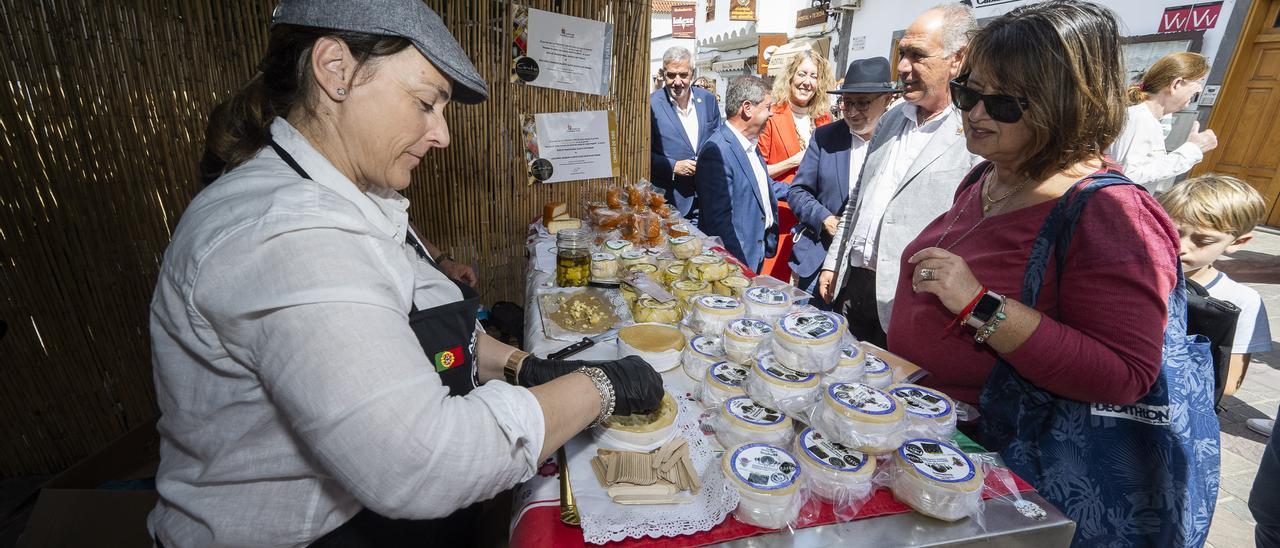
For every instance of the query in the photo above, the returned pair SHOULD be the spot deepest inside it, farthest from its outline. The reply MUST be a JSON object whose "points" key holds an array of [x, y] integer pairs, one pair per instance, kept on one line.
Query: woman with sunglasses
{"points": [[1171, 84], [1065, 384]]}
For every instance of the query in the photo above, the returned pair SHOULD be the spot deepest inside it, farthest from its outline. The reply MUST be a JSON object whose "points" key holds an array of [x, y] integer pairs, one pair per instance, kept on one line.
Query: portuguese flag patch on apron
{"points": [[448, 359]]}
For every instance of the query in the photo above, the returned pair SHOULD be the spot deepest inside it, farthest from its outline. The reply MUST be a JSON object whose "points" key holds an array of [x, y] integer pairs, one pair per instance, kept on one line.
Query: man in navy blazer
{"points": [[681, 118], [739, 202], [834, 156]]}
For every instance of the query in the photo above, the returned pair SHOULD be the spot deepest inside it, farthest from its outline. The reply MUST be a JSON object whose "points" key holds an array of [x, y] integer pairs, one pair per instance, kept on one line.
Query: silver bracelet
{"points": [[607, 398]]}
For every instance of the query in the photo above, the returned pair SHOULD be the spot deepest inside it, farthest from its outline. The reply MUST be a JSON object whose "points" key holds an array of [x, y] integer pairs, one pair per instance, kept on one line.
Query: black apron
{"points": [[447, 335]]}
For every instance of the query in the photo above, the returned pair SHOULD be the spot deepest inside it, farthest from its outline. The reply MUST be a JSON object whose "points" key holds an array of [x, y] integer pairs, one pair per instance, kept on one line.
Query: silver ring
{"points": [[926, 273]]}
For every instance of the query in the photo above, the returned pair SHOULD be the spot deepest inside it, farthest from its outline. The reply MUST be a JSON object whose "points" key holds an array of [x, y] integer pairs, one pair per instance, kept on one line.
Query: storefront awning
{"points": [[731, 39], [728, 66]]}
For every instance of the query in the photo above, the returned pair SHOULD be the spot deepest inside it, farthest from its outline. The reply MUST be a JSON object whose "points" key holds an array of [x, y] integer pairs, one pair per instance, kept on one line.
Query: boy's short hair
{"points": [[1219, 202]]}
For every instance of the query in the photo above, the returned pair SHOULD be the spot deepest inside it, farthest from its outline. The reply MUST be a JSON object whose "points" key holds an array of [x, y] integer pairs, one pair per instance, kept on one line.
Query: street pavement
{"points": [[1257, 265]]}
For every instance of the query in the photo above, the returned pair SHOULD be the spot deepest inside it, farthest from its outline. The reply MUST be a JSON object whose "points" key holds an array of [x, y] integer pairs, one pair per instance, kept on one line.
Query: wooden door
{"points": [[1247, 118]]}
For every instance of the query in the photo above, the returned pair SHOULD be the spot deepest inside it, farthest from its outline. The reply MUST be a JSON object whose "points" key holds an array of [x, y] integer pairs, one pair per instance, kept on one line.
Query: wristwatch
{"points": [[986, 307]]}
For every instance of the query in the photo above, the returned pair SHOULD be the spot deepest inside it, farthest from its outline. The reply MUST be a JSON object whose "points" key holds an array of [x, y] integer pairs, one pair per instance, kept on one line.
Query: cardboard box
{"points": [[72, 509]]}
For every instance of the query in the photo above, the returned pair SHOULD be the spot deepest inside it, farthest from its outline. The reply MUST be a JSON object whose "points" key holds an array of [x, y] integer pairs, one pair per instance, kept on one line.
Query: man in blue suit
{"points": [[834, 157], [739, 202], [681, 118]]}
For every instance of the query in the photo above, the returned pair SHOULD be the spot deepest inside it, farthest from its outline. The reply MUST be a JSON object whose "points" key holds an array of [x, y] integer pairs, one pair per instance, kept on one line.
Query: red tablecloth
{"points": [[541, 526]]}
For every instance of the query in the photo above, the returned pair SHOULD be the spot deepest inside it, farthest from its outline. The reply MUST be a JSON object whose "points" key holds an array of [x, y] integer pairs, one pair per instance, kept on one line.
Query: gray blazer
{"points": [[926, 192]]}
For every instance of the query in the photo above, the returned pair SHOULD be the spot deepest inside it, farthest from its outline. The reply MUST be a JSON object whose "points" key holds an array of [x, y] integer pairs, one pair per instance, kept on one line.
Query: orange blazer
{"points": [[779, 141]]}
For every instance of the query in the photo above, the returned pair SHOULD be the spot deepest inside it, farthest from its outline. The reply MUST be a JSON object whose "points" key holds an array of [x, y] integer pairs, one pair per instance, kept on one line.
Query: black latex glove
{"points": [[637, 388]]}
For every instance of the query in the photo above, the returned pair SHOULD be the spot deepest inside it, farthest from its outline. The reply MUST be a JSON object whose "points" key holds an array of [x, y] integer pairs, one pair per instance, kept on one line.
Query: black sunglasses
{"points": [[1001, 108]]}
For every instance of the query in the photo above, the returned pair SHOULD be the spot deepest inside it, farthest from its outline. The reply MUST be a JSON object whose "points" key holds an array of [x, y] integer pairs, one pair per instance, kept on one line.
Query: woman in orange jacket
{"points": [[800, 106]]}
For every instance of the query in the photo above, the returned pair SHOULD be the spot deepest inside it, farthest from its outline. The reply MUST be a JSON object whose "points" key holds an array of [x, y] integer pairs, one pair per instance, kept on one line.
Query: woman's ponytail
{"points": [[238, 127]]}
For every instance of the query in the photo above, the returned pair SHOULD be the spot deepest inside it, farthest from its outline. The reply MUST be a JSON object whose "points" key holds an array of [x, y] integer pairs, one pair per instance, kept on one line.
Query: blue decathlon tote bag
{"points": [[1144, 474]]}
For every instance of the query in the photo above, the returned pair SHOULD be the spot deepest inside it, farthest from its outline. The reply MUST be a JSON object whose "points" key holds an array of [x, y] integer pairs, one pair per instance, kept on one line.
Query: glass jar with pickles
{"points": [[573, 257]]}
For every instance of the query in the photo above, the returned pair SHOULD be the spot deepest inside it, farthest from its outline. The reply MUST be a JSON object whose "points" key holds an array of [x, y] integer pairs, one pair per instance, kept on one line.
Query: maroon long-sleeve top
{"points": [[1102, 331]]}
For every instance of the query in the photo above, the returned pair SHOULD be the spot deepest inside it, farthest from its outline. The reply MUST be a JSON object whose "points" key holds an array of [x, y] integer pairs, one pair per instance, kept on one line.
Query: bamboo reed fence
{"points": [[103, 116]]}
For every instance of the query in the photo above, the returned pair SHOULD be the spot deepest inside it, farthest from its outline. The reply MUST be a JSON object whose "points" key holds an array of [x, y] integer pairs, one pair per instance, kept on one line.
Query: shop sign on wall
{"points": [[742, 10], [682, 20], [711, 10], [1190, 17], [815, 15]]}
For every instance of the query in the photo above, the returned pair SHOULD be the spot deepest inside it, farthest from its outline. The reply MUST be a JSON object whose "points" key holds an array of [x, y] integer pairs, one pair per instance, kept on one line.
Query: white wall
{"points": [[660, 40], [879, 19]]}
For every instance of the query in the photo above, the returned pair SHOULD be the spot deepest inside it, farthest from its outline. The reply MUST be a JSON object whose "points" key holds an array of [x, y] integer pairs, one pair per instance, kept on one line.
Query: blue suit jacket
{"points": [[670, 144], [820, 189], [730, 198]]}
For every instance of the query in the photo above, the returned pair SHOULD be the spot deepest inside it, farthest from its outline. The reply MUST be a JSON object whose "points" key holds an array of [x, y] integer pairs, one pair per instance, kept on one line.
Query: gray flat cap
{"points": [[409, 19]]}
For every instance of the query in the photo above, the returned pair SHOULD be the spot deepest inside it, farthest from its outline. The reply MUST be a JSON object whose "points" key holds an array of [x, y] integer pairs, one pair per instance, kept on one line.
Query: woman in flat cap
{"points": [[322, 382]]}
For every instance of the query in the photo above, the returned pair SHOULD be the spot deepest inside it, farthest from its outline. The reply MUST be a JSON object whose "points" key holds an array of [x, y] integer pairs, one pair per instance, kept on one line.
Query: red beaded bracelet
{"points": [[982, 290]]}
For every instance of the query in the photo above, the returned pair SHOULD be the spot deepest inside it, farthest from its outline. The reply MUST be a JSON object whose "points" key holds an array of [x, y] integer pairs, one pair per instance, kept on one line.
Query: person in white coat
{"points": [[1167, 87]]}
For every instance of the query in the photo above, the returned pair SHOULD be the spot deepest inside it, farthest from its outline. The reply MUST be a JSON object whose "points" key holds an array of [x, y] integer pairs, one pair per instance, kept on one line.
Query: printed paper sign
{"points": [[559, 51], [570, 146]]}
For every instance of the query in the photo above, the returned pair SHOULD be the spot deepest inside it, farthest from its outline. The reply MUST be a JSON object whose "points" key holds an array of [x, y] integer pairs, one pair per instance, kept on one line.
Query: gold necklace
{"points": [[981, 219], [987, 202]]}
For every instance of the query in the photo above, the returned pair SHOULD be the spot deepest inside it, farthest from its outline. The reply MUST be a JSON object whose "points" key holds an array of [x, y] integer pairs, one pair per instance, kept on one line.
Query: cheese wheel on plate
{"points": [[640, 432]]}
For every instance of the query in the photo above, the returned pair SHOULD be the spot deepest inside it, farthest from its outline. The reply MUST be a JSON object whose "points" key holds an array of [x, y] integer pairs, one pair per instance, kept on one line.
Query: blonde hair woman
{"points": [[1167, 87], [800, 105]]}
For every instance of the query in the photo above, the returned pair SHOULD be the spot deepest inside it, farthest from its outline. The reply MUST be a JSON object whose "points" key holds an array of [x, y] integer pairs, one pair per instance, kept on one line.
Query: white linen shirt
{"points": [[762, 176], [1140, 150], [688, 118], [292, 389], [903, 151], [857, 157]]}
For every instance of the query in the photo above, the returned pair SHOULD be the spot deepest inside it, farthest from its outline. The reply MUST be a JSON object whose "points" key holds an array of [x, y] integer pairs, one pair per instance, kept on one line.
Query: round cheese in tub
{"points": [[721, 381], [765, 476], [707, 268], [808, 340], [930, 413], [731, 286], [640, 432], [604, 267], [617, 247], [743, 420], [712, 313], [684, 290], [781, 387], [742, 338], [649, 270], [833, 472], [667, 260], [672, 274], [936, 479], [876, 372], [766, 303], [658, 344], [651, 310], [632, 257], [684, 247], [700, 354], [860, 417]]}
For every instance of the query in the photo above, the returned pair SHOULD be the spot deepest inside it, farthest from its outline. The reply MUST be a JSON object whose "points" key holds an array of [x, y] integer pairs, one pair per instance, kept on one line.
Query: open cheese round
{"points": [[699, 355], [743, 420], [765, 476], [930, 413], [651, 310], [723, 380], [936, 479], [684, 290], [712, 313], [861, 417], [833, 471], [731, 286], [658, 344], [640, 432], [808, 340], [742, 338]]}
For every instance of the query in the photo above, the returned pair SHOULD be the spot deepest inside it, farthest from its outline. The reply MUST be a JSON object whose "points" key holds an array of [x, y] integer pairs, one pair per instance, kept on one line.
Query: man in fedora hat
{"points": [[834, 155], [914, 164]]}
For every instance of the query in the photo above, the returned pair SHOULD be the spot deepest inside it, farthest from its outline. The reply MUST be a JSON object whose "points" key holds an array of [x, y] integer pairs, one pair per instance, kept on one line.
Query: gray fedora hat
{"points": [[408, 19], [868, 76]]}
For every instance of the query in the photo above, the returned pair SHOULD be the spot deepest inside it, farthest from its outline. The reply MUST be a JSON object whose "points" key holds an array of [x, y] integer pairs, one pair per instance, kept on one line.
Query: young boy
{"points": [[1216, 214]]}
